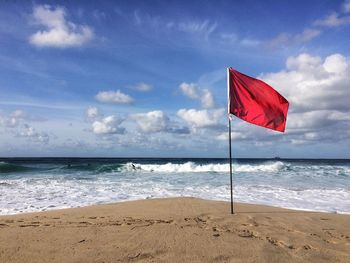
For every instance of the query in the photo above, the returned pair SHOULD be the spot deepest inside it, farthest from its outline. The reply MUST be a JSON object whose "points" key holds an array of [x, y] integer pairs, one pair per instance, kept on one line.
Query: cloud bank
{"points": [[318, 91]]}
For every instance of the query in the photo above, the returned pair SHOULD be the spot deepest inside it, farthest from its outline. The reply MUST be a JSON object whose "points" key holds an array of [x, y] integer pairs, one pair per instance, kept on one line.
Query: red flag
{"points": [[254, 101]]}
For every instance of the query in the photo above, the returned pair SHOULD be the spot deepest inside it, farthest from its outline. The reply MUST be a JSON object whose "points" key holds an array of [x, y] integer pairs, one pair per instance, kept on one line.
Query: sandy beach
{"points": [[175, 230]]}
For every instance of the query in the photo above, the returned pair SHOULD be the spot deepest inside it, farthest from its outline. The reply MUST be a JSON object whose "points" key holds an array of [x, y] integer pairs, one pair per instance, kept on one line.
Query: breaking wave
{"points": [[186, 167], [191, 167]]}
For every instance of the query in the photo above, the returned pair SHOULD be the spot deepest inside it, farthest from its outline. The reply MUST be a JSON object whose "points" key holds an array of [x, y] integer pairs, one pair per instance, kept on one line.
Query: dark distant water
{"points": [[38, 184]]}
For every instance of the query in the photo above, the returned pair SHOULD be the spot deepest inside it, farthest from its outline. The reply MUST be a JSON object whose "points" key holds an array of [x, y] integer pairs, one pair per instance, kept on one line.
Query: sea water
{"points": [[39, 184]]}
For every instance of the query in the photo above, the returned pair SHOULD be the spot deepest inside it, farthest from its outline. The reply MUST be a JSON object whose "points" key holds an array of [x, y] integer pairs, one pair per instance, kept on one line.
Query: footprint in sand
{"points": [[29, 225], [254, 224], [247, 233], [307, 247], [85, 223], [275, 242]]}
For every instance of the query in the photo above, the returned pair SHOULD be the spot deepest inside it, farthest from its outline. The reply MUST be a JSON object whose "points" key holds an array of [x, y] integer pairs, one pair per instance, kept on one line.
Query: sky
{"points": [[148, 78]]}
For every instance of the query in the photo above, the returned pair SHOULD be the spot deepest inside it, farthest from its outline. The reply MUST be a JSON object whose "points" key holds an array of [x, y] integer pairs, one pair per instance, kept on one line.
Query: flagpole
{"points": [[229, 136], [230, 150]]}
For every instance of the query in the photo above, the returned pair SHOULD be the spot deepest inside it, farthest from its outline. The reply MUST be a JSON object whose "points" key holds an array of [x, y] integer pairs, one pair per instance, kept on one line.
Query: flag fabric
{"points": [[256, 102]]}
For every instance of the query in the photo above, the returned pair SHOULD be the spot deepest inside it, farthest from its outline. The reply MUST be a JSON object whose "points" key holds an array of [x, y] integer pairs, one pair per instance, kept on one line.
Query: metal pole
{"points": [[229, 132], [229, 138]]}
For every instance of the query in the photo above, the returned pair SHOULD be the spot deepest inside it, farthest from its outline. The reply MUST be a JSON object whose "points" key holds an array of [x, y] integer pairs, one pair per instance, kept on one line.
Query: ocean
{"points": [[40, 184]]}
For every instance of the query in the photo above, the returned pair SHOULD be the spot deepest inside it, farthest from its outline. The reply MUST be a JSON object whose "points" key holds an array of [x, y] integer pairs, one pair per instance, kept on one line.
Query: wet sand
{"points": [[175, 230]]}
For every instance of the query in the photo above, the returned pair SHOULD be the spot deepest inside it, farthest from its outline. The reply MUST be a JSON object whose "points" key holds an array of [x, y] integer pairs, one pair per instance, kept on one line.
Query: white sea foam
{"points": [[191, 167], [44, 194]]}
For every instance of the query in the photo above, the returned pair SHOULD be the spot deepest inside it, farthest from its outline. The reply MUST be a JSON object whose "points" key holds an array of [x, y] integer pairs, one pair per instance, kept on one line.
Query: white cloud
{"points": [[13, 120], [143, 87], [18, 114], [207, 99], [108, 125], [201, 118], [234, 136], [34, 135], [2, 121], [153, 121], [157, 121], [278, 41], [200, 27], [312, 84], [114, 97], [59, 32], [307, 35], [285, 39], [92, 113], [192, 91], [104, 125], [16, 126], [318, 92], [333, 20], [313, 119]]}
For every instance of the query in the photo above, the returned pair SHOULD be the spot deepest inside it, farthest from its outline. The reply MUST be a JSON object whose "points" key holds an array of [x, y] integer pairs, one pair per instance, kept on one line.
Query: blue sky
{"points": [[148, 78]]}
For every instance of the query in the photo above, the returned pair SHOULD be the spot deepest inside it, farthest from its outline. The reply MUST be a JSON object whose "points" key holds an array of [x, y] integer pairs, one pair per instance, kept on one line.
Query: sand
{"points": [[175, 230]]}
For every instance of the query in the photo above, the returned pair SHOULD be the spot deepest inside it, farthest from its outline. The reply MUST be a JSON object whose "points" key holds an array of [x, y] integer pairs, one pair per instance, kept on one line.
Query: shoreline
{"points": [[176, 197], [174, 230]]}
